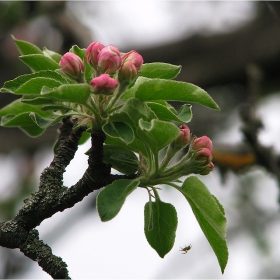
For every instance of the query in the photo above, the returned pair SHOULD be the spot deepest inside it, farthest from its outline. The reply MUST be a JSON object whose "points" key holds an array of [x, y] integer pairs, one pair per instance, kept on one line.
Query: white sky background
{"points": [[118, 249], [145, 23]]}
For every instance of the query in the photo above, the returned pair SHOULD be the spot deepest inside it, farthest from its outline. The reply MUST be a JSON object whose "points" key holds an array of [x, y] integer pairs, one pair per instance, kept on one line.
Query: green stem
{"points": [[174, 186], [156, 165], [155, 193], [120, 90], [92, 107]]}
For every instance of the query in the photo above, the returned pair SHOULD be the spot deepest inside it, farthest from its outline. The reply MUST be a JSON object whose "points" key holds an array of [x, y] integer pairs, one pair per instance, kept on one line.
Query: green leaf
{"points": [[136, 145], [17, 114], [78, 51], [160, 70], [18, 107], [39, 62], [44, 123], [55, 107], [157, 134], [13, 85], [131, 91], [34, 86], [169, 90], [133, 110], [185, 113], [121, 159], [164, 113], [111, 199], [23, 121], [36, 100], [75, 93], [210, 216], [51, 54], [26, 48], [164, 218], [119, 130], [84, 138], [88, 72]]}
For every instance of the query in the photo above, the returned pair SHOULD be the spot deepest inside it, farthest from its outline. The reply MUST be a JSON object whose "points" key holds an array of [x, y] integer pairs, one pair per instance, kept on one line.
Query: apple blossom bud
{"points": [[104, 84], [134, 57], [131, 65], [207, 169], [182, 140], [109, 60], [92, 52], [185, 134], [71, 64], [202, 142], [202, 156], [199, 157], [127, 73]]}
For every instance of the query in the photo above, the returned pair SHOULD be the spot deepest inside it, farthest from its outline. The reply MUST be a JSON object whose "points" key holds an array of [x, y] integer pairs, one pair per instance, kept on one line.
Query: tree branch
{"points": [[265, 156], [52, 197], [36, 250]]}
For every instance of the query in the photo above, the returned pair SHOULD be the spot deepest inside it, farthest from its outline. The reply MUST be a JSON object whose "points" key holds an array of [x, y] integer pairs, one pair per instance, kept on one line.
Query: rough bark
{"points": [[52, 197]]}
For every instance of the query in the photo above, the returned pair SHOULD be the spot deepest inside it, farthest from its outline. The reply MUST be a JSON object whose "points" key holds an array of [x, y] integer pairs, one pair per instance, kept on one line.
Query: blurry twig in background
{"points": [[265, 156]]}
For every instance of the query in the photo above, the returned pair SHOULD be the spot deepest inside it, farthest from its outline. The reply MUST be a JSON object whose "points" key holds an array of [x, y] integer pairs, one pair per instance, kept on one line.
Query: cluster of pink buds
{"points": [[201, 151], [105, 60], [198, 159], [109, 60]]}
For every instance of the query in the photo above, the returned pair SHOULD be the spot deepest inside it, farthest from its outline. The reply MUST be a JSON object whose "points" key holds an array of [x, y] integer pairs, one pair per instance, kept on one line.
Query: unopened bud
{"points": [[183, 139], [104, 84], [71, 64], [185, 134], [198, 160], [131, 65], [92, 53], [202, 142], [109, 60], [207, 169], [127, 72], [202, 156]]}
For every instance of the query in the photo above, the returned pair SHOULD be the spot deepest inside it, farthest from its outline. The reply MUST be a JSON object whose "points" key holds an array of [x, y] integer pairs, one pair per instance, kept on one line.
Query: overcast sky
{"points": [[145, 23]]}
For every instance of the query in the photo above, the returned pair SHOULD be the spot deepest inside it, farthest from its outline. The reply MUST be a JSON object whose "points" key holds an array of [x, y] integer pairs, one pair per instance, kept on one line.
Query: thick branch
{"points": [[36, 250], [52, 197]]}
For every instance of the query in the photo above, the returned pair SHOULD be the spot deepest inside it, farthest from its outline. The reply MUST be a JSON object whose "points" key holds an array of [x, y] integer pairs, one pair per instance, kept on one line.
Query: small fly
{"points": [[186, 249]]}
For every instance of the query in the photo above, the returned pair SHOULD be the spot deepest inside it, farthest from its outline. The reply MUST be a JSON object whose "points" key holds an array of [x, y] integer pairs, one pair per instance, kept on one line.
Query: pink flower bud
{"points": [[185, 134], [134, 57], [71, 64], [207, 169], [131, 65], [203, 156], [183, 139], [109, 60], [202, 142], [127, 72], [92, 52], [104, 84]]}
